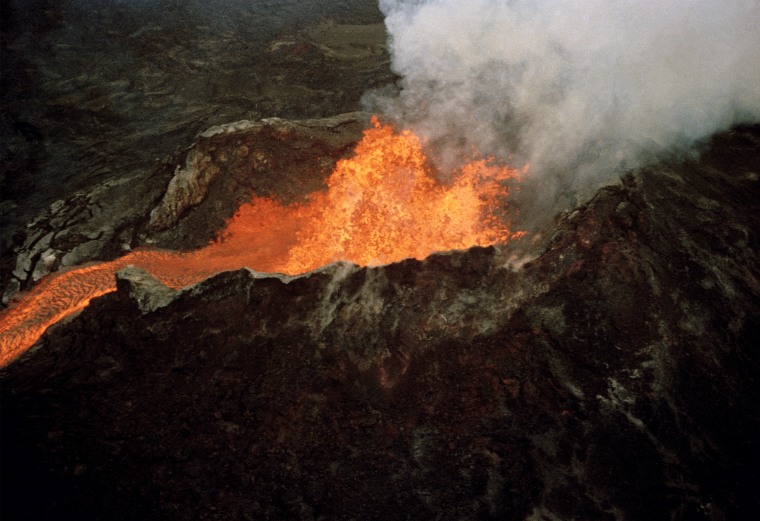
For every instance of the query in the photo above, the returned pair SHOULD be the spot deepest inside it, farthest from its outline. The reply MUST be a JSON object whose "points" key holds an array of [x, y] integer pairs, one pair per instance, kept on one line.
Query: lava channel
{"points": [[382, 205]]}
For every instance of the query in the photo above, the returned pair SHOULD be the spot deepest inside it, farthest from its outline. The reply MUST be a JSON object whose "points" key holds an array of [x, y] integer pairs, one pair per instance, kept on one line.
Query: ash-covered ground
{"points": [[604, 369]]}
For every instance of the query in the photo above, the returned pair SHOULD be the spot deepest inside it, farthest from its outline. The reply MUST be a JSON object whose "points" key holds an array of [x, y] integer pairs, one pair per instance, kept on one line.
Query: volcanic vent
{"points": [[381, 205]]}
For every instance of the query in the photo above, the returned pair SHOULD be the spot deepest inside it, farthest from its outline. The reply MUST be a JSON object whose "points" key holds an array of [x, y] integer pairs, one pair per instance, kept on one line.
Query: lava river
{"points": [[380, 206]]}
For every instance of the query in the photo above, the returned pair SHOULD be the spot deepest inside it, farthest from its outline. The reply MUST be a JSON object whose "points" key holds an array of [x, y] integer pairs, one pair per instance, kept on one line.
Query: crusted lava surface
{"points": [[613, 376]]}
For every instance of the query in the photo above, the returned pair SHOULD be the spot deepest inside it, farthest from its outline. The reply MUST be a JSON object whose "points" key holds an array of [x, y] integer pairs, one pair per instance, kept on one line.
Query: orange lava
{"points": [[381, 206]]}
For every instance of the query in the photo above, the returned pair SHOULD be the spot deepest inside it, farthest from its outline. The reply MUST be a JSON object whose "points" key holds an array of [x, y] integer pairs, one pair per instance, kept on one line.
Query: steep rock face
{"points": [[615, 376]]}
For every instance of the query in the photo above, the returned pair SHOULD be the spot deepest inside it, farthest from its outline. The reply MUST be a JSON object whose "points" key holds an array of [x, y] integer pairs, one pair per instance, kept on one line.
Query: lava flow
{"points": [[380, 206]]}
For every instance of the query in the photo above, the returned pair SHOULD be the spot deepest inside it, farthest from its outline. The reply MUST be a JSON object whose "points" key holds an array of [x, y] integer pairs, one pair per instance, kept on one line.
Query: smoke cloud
{"points": [[580, 89]]}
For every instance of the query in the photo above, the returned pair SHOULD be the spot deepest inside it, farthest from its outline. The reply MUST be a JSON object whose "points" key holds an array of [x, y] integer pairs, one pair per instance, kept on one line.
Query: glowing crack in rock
{"points": [[382, 205]]}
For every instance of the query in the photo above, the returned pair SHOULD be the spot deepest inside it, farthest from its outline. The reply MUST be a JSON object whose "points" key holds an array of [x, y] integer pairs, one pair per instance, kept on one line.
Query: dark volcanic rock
{"points": [[615, 376]]}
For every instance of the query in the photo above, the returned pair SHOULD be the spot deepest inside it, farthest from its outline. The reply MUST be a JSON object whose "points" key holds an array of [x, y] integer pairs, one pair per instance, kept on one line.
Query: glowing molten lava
{"points": [[380, 206]]}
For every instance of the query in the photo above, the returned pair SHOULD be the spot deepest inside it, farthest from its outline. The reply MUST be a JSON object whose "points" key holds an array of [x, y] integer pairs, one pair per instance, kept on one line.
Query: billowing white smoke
{"points": [[578, 88]]}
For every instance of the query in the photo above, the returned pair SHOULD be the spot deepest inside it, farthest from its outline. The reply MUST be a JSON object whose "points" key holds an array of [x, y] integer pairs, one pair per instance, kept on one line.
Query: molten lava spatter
{"points": [[381, 206]]}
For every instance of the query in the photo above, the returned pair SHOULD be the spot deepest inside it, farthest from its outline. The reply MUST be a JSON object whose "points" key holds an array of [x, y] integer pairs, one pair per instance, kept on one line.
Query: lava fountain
{"points": [[380, 206]]}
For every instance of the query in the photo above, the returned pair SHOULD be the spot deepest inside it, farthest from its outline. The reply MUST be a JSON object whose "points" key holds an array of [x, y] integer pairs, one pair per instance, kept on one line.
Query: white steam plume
{"points": [[577, 88]]}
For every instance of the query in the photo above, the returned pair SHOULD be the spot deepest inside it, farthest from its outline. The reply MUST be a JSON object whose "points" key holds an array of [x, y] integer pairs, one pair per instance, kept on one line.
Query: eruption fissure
{"points": [[380, 206]]}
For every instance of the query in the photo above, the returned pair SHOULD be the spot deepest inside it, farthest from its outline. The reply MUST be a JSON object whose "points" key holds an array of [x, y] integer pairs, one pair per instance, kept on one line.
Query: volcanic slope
{"points": [[615, 376]]}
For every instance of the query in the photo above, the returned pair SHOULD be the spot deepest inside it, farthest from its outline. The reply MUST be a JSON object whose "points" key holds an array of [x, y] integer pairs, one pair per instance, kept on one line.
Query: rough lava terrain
{"points": [[613, 376]]}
